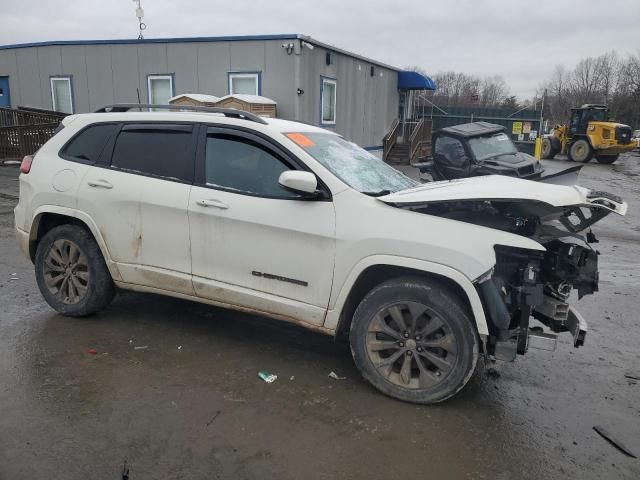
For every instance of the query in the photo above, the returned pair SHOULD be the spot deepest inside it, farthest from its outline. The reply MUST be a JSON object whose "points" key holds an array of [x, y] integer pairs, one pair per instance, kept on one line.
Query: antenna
{"points": [[140, 15]]}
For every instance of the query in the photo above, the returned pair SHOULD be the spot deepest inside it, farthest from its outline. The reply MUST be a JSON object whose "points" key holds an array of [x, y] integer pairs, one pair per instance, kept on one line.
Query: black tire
{"points": [[434, 373], [581, 151], [89, 286], [606, 159], [547, 149]]}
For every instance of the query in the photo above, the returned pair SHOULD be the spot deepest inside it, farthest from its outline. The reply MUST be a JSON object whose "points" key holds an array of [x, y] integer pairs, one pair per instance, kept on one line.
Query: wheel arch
{"points": [[373, 271], [47, 217]]}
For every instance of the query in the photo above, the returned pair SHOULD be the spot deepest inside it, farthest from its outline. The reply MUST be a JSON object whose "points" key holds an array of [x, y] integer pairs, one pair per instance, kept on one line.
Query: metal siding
{"points": [[152, 59], [247, 56], [49, 65], [29, 78], [9, 68], [278, 78], [214, 62], [126, 79], [182, 59], [365, 106], [74, 64], [99, 76], [104, 74]]}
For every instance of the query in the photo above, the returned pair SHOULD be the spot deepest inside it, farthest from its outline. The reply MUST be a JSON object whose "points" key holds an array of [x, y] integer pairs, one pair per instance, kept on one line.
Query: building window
{"points": [[160, 88], [328, 96], [61, 96], [244, 83]]}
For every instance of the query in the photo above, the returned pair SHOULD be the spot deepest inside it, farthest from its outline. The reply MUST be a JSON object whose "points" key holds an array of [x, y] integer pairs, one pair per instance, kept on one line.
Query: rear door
{"points": [[254, 244], [138, 198]]}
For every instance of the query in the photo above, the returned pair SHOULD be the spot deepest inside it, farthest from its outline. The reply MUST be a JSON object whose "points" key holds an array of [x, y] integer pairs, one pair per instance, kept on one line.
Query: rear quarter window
{"points": [[88, 145]]}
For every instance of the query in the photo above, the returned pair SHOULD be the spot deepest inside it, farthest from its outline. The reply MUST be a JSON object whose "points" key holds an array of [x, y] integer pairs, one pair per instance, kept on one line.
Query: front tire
{"points": [[414, 340], [547, 149], [581, 151], [71, 273], [606, 159]]}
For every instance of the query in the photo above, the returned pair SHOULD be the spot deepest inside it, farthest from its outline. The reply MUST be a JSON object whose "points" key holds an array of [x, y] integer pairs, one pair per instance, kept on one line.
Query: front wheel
{"points": [[581, 151], [606, 159], [547, 149], [413, 340], [71, 273]]}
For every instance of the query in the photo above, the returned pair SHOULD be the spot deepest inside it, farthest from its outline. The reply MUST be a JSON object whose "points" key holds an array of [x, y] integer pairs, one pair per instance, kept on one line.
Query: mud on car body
{"points": [[295, 223]]}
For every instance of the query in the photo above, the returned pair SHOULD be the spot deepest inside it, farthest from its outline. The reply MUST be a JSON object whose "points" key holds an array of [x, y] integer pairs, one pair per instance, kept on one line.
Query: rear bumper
{"points": [[23, 241]]}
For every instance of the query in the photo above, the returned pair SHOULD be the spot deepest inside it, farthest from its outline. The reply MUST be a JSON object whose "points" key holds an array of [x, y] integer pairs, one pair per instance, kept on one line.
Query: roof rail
{"points": [[227, 112]]}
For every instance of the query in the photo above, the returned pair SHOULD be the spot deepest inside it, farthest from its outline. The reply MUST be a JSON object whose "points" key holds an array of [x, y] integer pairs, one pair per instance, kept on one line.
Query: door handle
{"points": [[100, 184], [212, 203]]}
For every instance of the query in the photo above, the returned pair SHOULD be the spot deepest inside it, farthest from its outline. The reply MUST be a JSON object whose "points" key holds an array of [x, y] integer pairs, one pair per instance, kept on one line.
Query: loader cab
{"points": [[580, 117]]}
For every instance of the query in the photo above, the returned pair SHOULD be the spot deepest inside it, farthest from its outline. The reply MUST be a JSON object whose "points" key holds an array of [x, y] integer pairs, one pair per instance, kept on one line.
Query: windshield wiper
{"points": [[379, 193]]}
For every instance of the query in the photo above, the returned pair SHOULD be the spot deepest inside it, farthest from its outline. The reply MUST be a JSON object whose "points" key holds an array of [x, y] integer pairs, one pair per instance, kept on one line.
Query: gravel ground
{"points": [[190, 404]]}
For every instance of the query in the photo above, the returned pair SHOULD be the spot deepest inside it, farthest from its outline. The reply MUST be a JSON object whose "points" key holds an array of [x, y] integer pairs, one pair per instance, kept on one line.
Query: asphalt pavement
{"points": [[172, 388]]}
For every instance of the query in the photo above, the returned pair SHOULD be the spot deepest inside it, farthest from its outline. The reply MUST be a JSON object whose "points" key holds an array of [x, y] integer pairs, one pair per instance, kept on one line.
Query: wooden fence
{"points": [[24, 130], [21, 140]]}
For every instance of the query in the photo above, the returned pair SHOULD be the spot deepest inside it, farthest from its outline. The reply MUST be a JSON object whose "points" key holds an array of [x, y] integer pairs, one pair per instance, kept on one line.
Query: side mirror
{"points": [[299, 181]]}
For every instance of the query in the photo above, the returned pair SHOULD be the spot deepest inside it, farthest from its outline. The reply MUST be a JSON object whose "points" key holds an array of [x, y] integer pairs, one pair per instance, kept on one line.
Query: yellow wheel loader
{"points": [[589, 133]]}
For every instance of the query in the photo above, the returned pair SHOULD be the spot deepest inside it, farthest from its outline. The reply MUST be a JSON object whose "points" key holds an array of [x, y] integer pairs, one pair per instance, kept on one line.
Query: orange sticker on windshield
{"points": [[301, 139]]}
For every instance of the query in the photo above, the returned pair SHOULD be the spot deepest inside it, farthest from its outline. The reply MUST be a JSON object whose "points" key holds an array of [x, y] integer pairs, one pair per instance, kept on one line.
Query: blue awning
{"points": [[414, 81]]}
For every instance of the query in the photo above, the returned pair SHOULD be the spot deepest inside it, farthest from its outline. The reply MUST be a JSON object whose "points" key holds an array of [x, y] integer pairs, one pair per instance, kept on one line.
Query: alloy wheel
{"points": [[411, 346], [66, 271]]}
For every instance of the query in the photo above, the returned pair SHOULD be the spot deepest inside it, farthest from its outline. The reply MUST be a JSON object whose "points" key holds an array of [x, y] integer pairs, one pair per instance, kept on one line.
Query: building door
{"points": [[5, 99]]}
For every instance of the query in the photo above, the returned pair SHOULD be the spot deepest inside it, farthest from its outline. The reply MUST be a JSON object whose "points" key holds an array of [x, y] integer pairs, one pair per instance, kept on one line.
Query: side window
{"points": [[450, 150], [89, 143], [235, 163], [244, 83], [158, 150]]}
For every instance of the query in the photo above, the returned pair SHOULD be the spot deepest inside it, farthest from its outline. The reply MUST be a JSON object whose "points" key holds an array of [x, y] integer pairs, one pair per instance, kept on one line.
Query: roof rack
{"points": [[227, 112]]}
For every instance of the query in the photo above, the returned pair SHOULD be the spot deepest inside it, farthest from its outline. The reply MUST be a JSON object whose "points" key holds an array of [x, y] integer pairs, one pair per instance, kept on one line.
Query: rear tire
{"points": [[581, 151], [71, 273], [413, 340], [606, 159]]}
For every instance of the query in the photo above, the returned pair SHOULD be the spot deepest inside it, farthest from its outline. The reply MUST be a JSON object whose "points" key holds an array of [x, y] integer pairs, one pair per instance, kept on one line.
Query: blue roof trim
{"points": [[414, 81], [232, 38]]}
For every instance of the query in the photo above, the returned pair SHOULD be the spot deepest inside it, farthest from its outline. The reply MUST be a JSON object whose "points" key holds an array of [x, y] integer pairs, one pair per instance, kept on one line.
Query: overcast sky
{"points": [[519, 40]]}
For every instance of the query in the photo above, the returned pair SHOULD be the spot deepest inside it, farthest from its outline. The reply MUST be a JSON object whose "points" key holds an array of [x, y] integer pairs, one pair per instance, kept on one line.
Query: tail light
{"points": [[25, 166]]}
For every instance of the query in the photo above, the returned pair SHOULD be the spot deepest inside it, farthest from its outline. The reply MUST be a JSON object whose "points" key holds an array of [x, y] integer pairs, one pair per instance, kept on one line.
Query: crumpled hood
{"points": [[499, 187]]}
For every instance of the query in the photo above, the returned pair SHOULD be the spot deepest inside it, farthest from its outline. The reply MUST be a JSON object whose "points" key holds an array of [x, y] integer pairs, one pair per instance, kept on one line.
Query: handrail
{"points": [[390, 139], [419, 140], [227, 112]]}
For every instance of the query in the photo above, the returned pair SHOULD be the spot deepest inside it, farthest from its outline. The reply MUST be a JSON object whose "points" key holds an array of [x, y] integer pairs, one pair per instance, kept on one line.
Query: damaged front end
{"points": [[526, 284]]}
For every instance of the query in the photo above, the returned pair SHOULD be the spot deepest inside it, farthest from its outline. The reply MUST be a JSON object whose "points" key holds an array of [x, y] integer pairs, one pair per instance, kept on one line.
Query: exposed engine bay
{"points": [[526, 283]]}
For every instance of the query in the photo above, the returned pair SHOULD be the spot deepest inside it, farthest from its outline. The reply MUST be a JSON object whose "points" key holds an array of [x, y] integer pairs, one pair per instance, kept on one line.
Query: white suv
{"points": [[295, 223]]}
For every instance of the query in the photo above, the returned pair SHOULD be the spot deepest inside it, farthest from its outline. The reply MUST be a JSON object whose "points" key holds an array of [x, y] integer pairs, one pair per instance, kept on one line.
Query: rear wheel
{"points": [[71, 273], [581, 151], [413, 340], [606, 159]]}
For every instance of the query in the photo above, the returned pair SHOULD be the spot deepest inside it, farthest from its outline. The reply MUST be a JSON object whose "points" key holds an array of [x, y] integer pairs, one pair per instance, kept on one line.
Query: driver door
{"points": [[254, 244], [451, 158]]}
